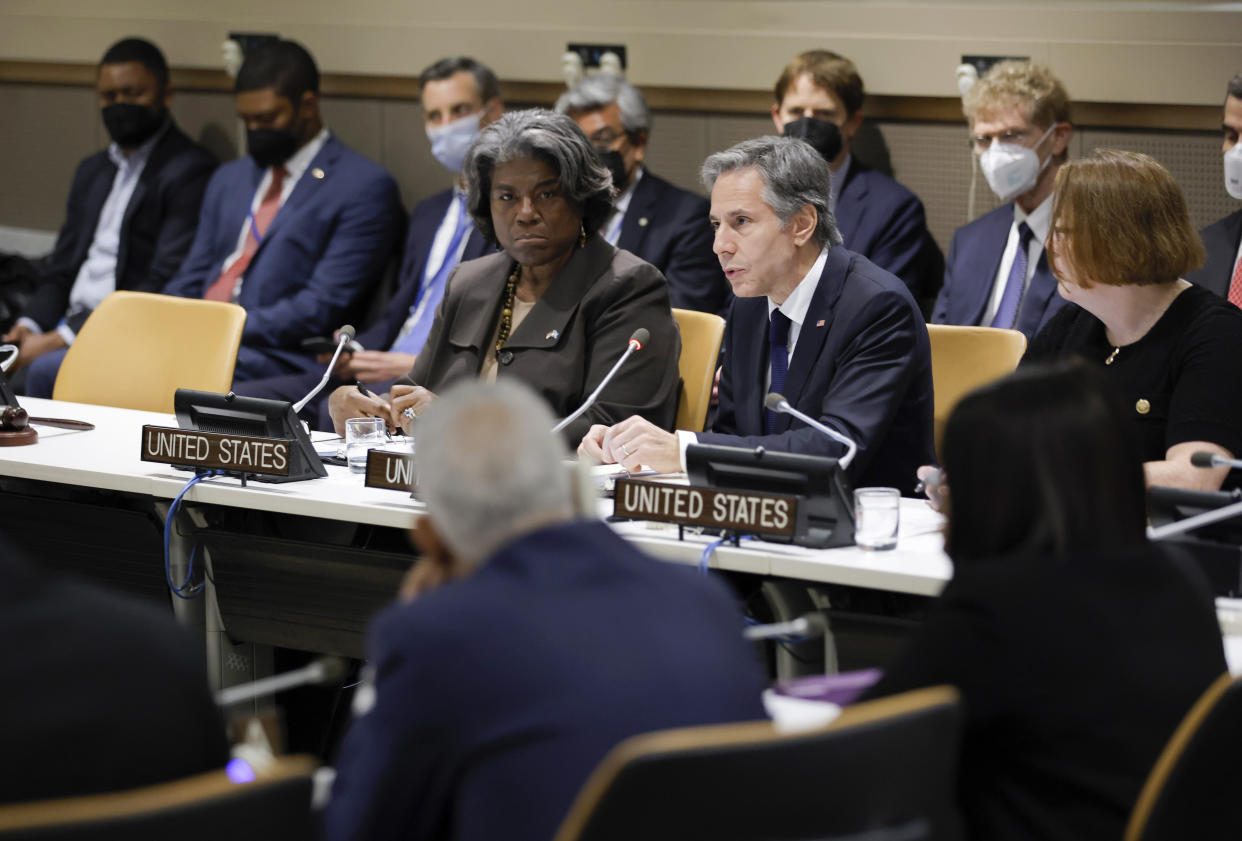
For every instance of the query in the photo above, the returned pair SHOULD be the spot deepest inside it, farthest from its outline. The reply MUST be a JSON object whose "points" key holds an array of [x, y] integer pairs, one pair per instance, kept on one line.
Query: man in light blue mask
{"points": [[1222, 272], [459, 97], [997, 274]]}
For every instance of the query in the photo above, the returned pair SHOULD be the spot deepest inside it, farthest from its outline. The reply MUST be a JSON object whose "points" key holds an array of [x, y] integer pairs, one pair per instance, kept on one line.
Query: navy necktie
{"points": [[778, 358], [1011, 301]]}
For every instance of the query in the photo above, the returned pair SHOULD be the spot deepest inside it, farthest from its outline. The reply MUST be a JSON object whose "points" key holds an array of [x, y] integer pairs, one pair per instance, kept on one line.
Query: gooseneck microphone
{"points": [[13, 352], [1205, 459], [807, 625], [325, 671], [777, 403], [637, 340], [344, 336]]}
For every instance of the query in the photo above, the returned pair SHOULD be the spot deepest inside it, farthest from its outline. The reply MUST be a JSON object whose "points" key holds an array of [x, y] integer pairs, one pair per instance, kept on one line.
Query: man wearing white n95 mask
{"points": [[997, 274], [1222, 272]]}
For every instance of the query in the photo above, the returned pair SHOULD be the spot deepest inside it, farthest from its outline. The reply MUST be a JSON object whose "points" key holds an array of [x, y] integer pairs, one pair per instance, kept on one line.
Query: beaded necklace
{"points": [[506, 313]]}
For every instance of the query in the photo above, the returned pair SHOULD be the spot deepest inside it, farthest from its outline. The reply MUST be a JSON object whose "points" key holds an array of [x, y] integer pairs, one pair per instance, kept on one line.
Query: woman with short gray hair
{"points": [[557, 307]]}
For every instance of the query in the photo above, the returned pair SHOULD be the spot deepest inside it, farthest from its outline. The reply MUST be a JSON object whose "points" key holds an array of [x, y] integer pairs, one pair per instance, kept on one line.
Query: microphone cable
{"points": [[187, 590]]}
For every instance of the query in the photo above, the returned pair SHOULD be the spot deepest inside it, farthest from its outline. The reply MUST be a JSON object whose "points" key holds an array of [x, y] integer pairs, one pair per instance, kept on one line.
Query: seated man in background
{"points": [[130, 217], [527, 643], [1222, 272], [663, 224], [819, 99], [300, 230], [460, 97], [841, 338], [997, 273], [103, 693]]}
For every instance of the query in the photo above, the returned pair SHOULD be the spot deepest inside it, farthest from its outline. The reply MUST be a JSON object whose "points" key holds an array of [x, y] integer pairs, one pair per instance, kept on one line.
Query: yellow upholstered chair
{"points": [[701, 333], [137, 349], [964, 358]]}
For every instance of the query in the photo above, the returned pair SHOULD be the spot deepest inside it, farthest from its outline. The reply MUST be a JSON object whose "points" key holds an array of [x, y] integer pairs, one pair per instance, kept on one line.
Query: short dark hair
{"points": [[1234, 88], [828, 70], [141, 51], [1044, 461], [489, 86], [284, 66]]}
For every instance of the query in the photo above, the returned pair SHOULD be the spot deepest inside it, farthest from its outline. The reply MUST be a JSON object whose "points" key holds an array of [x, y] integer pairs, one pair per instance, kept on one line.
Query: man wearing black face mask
{"points": [[298, 231], [661, 223], [131, 213], [819, 98]]}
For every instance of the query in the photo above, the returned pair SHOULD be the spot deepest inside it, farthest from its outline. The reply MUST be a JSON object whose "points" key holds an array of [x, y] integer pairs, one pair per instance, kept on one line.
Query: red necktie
{"points": [[1235, 286], [226, 283]]}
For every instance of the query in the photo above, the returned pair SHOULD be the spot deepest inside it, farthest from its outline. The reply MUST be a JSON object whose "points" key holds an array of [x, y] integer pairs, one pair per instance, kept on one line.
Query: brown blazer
{"points": [[568, 341]]}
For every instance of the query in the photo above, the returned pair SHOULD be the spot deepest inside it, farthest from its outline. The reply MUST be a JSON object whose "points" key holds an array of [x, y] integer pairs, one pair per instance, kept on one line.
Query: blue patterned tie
{"points": [[1011, 301], [778, 357], [413, 334]]}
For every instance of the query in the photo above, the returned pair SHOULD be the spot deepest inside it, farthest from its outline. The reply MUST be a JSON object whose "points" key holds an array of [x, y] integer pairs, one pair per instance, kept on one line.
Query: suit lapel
{"points": [[544, 326], [633, 227], [423, 236], [814, 330], [100, 187], [475, 319], [992, 239], [307, 187], [851, 203], [747, 358], [1038, 294]]}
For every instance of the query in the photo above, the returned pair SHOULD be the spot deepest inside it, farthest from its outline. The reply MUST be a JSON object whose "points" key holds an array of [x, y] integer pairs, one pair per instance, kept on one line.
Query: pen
{"points": [[366, 392]]}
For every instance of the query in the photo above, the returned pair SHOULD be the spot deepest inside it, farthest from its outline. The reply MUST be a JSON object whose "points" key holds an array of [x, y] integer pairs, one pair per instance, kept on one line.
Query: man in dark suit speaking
{"points": [[131, 213], [527, 644], [841, 338], [299, 231], [663, 224]]}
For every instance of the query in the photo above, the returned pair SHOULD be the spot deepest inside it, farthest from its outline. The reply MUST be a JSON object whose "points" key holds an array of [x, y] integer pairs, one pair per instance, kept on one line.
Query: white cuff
{"points": [[685, 439], [66, 334], [29, 322]]}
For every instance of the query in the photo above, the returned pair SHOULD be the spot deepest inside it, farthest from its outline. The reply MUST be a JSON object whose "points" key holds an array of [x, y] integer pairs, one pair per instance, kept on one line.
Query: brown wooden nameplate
{"points": [[389, 470], [213, 450], [688, 505]]}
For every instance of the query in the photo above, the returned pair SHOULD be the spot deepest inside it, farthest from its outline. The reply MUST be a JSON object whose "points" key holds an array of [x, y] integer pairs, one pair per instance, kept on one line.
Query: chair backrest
{"points": [[136, 349], [701, 333], [964, 358], [1193, 788], [207, 807], [887, 768]]}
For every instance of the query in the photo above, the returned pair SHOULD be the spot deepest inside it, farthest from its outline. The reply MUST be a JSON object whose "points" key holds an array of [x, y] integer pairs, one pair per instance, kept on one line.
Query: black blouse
{"points": [[1182, 381]]}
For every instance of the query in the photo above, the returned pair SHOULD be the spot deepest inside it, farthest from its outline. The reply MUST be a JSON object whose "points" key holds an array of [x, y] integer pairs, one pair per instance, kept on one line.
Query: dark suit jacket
{"points": [[1074, 673], [669, 228], [570, 339], [424, 222], [1220, 240], [884, 222], [156, 230], [974, 258], [497, 695], [102, 693], [862, 365], [324, 253]]}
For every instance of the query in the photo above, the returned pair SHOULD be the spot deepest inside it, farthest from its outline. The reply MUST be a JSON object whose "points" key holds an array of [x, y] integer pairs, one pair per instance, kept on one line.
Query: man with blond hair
{"points": [[997, 273]]}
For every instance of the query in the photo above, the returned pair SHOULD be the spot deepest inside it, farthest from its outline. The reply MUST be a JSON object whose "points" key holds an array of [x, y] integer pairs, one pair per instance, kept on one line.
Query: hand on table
{"points": [[935, 485], [348, 402], [633, 443], [413, 397]]}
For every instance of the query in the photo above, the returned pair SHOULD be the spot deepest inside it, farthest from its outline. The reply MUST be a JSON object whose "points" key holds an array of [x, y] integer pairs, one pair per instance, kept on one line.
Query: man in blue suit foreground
{"points": [[661, 223], [841, 338], [460, 97], [997, 273], [526, 644], [131, 214], [1222, 240], [300, 230], [819, 99]]}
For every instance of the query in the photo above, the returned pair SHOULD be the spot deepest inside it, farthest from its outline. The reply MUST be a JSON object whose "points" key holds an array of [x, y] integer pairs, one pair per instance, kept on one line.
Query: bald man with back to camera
{"points": [[526, 645]]}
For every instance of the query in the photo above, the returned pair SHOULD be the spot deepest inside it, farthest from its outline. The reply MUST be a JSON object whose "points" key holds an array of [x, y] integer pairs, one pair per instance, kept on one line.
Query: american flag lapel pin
{"points": [[553, 335], [821, 322]]}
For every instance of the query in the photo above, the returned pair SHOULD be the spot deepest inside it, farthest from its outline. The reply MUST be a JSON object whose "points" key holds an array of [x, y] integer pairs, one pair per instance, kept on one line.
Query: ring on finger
{"points": [[625, 450]]}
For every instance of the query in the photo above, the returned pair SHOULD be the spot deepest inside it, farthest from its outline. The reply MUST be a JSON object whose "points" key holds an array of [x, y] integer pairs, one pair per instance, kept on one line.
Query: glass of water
{"points": [[361, 436], [877, 513]]}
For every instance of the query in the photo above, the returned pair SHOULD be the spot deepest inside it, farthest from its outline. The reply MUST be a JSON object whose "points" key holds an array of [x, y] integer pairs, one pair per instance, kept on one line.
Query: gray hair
{"points": [[794, 175], [600, 91], [549, 137], [489, 468], [1235, 87]]}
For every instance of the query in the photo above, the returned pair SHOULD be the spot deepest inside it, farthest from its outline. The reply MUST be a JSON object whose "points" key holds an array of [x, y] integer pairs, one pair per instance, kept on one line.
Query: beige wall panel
{"points": [[358, 123], [210, 119], [677, 148], [46, 132], [407, 153]]}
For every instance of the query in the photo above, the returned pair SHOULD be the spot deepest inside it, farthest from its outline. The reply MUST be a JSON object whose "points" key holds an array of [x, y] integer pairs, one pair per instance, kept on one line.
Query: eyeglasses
{"points": [[982, 142]]}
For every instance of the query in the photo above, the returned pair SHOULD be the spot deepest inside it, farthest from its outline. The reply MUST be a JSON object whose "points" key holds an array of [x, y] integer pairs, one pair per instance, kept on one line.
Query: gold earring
{"points": [[581, 235]]}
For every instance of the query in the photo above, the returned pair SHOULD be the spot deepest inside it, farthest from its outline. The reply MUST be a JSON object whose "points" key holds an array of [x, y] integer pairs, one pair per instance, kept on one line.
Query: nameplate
{"points": [[217, 451], [694, 506], [389, 470]]}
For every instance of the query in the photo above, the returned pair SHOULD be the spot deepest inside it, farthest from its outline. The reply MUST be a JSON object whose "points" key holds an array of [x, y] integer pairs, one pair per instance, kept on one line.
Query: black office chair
{"points": [[1192, 792], [207, 807], [884, 770]]}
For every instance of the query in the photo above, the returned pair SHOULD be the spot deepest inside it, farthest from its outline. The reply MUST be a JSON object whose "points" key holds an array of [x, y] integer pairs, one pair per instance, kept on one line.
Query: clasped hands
{"points": [[634, 443]]}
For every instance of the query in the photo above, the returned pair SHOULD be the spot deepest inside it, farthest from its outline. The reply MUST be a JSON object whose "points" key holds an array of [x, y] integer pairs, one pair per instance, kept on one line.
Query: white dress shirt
{"points": [[435, 261], [1039, 221], [612, 228]]}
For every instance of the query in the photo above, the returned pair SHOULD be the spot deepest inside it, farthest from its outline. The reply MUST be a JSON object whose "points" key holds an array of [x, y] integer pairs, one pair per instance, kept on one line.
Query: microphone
{"points": [[777, 403], [13, 351], [344, 336], [1205, 459], [807, 625], [638, 339], [324, 671]]}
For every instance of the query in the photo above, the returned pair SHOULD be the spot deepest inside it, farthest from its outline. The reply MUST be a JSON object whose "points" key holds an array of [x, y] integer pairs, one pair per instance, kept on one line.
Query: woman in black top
{"points": [[1076, 645], [1121, 240]]}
